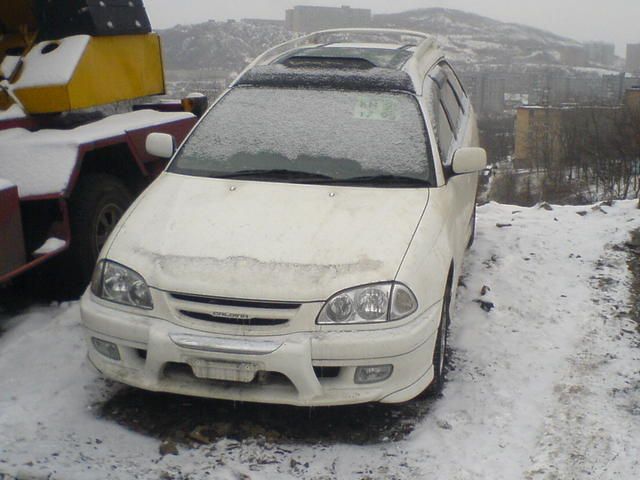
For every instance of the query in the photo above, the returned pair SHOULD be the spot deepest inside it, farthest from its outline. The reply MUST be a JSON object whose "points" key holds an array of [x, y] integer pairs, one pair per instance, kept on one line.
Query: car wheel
{"points": [[440, 353], [96, 206]]}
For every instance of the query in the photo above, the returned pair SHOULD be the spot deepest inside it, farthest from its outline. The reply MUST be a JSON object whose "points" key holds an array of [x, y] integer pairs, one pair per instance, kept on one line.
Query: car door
{"points": [[451, 117]]}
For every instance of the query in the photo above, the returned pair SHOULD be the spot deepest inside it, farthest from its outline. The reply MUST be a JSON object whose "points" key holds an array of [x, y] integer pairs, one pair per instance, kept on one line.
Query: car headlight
{"points": [[116, 283], [385, 302]]}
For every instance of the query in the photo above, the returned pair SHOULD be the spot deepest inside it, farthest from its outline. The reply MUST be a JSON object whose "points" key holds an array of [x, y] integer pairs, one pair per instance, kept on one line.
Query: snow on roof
{"points": [[41, 162], [425, 51], [9, 65], [378, 79], [13, 112], [596, 71], [55, 67]]}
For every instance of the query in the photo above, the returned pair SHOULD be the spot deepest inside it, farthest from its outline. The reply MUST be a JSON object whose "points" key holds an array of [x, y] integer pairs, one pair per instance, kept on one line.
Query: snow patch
{"points": [[55, 67], [544, 386], [9, 65], [50, 246], [12, 113], [42, 162]]}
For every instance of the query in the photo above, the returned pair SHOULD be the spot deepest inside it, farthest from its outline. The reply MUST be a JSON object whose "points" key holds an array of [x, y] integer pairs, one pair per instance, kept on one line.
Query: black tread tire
{"points": [[440, 364], [93, 194]]}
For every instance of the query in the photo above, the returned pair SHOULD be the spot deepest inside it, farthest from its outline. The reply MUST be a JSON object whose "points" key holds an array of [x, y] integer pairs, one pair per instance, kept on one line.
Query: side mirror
{"points": [[469, 160], [160, 145]]}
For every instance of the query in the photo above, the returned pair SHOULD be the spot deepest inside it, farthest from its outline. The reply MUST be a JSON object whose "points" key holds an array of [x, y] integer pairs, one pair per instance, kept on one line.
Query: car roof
{"points": [[372, 59]]}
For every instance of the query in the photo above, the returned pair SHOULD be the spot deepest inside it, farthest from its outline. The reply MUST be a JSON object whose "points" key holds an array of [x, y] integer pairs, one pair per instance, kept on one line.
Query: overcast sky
{"points": [[616, 21]]}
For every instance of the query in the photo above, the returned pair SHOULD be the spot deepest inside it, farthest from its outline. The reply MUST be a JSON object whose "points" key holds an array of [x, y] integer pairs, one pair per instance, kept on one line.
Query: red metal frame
{"points": [[25, 122]]}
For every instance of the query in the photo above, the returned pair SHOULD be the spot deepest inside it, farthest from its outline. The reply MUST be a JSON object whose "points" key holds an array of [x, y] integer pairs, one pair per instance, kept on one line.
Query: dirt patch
{"points": [[633, 247], [194, 421]]}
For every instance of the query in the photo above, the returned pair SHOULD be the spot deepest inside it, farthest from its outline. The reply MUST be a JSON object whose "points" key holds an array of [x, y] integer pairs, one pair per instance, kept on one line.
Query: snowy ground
{"points": [[545, 386]]}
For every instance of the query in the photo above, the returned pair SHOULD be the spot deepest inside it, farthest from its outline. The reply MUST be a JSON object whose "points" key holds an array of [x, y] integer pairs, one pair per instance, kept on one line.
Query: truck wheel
{"points": [[96, 206], [440, 353]]}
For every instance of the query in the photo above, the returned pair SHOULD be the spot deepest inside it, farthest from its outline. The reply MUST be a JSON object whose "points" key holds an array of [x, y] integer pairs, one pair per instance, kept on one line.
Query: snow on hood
{"points": [[267, 241]]}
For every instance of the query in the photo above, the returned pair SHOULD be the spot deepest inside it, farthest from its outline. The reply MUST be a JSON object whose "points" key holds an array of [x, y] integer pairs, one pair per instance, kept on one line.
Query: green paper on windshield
{"points": [[375, 108]]}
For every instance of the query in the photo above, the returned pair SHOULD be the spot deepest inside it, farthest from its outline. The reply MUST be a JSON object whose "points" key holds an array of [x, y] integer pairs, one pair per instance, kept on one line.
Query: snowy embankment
{"points": [[545, 386]]}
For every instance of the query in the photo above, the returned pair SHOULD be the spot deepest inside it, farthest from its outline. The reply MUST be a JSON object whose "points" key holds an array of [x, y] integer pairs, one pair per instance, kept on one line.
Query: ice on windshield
{"points": [[341, 134]]}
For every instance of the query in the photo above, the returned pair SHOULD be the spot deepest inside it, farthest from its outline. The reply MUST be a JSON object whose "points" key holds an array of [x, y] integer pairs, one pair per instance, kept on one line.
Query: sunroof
{"points": [[379, 57]]}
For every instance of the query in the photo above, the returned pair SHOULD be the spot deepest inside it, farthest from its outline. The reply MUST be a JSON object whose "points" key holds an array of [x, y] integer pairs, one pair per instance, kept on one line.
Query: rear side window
{"points": [[439, 118], [455, 84], [451, 105], [448, 104]]}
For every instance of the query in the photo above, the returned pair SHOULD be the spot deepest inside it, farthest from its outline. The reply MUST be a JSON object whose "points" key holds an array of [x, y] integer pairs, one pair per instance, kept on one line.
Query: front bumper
{"points": [[158, 355]]}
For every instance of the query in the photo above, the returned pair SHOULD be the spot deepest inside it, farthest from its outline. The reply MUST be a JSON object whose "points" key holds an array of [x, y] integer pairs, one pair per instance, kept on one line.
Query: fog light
{"points": [[108, 349], [366, 375]]}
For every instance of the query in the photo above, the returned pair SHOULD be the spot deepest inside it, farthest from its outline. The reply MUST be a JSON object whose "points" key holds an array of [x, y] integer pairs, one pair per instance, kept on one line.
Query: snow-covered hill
{"points": [[220, 47], [468, 39], [545, 386]]}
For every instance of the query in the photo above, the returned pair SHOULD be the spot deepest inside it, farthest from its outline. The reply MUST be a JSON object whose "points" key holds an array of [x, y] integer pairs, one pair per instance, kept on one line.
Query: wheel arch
{"points": [[117, 160]]}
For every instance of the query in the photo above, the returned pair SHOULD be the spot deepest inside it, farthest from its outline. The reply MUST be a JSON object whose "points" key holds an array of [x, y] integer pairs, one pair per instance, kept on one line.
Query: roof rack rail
{"points": [[343, 35]]}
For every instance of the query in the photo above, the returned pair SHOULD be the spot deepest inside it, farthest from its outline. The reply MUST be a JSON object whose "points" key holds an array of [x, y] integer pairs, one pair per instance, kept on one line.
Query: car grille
{"points": [[249, 322], [236, 303], [234, 312]]}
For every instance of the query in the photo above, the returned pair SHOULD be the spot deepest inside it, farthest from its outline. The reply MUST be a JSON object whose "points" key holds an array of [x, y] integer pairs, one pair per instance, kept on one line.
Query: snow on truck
{"points": [[68, 171]]}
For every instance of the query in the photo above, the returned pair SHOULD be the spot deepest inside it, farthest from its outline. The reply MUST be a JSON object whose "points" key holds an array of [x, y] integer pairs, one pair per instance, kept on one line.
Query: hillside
{"points": [[220, 47], [468, 38], [224, 48]]}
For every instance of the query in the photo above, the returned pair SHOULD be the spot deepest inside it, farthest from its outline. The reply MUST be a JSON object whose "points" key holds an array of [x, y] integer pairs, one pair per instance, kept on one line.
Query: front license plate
{"points": [[227, 371]]}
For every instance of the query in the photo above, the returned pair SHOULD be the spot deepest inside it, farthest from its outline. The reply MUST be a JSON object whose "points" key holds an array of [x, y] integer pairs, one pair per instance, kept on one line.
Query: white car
{"points": [[304, 245]]}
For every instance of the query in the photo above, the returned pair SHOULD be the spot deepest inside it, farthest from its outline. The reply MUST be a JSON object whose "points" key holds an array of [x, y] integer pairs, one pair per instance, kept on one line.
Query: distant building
{"points": [[574, 56], [633, 58], [308, 18], [512, 101], [543, 133], [600, 53], [613, 88], [487, 92], [631, 82], [632, 98]]}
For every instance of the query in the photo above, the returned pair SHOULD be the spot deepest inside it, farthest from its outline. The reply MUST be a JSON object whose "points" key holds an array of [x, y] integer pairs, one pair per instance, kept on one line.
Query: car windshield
{"points": [[311, 136]]}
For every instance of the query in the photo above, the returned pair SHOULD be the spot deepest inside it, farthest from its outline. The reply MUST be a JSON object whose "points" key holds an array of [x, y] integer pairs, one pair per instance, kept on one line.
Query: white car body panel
{"points": [[267, 241]]}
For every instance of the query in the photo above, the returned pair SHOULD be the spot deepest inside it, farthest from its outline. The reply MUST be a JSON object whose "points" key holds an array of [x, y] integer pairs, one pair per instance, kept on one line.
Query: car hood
{"points": [[266, 241]]}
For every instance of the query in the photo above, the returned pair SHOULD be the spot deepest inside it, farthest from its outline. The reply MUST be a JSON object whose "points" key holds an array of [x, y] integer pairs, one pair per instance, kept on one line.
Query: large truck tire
{"points": [[97, 204]]}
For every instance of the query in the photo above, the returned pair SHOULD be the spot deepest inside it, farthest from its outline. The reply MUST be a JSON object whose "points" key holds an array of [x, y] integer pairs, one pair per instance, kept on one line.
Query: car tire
{"points": [[96, 206], [440, 353]]}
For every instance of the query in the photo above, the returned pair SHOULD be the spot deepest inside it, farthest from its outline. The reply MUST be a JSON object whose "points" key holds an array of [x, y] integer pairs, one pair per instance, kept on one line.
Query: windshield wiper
{"points": [[387, 180], [275, 173]]}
